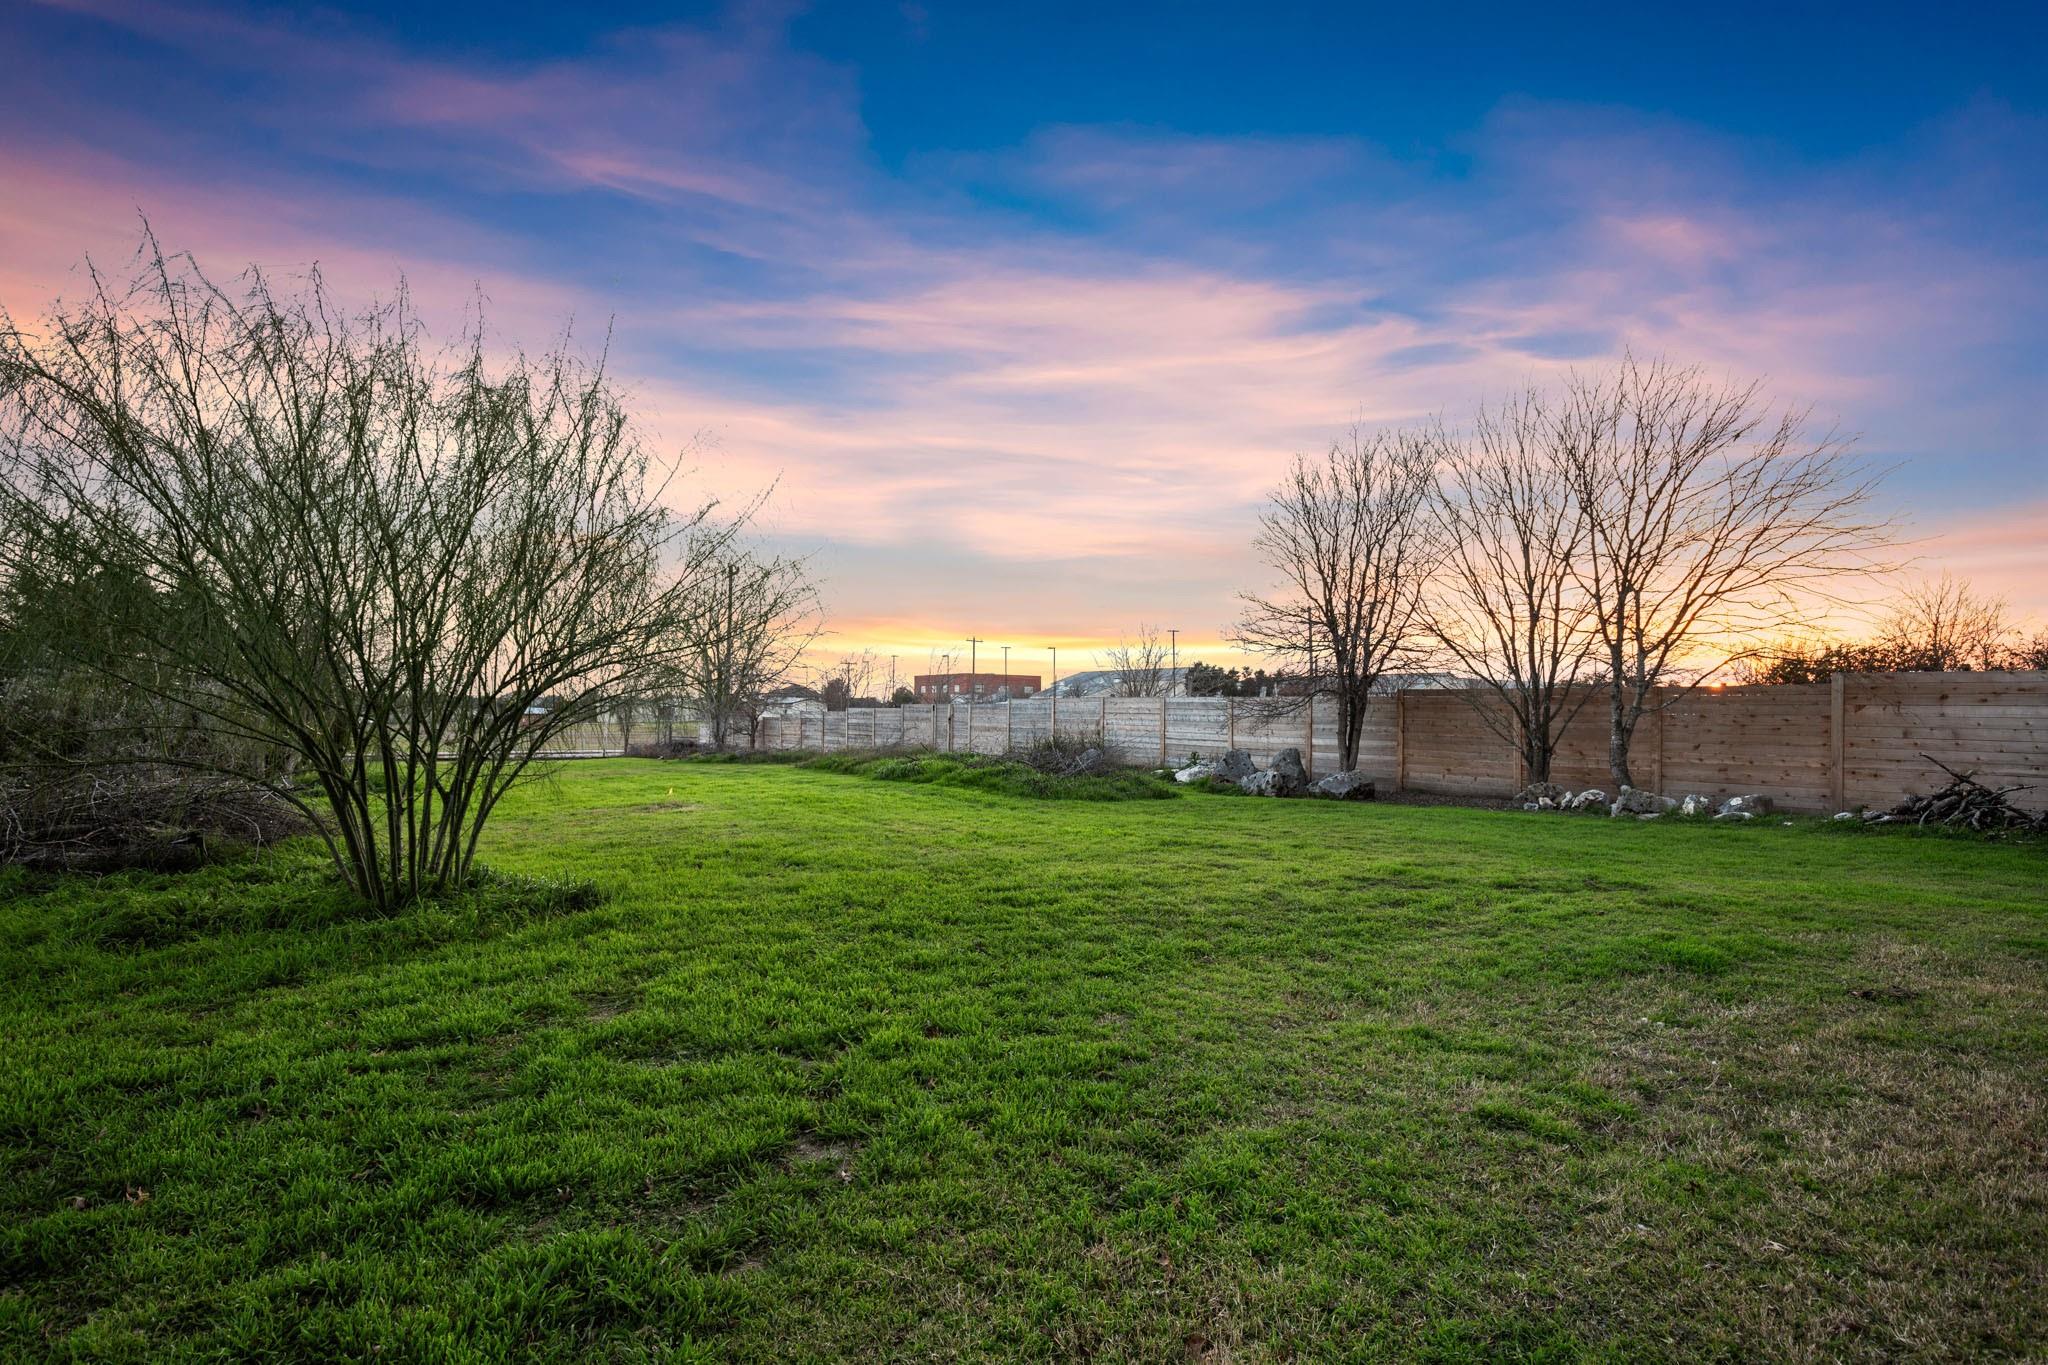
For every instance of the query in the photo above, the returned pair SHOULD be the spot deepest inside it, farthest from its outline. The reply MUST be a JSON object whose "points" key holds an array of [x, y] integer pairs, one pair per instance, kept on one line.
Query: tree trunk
{"points": [[1536, 753], [1350, 726], [1618, 736], [1620, 723]]}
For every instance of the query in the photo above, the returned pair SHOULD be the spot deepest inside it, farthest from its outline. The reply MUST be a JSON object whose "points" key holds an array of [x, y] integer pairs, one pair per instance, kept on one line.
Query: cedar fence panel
{"points": [[1895, 723]]}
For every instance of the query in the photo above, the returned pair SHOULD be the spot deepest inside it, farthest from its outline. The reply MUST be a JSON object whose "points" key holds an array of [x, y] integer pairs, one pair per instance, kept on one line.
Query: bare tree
{"points": [[1506, 604], [626, 712], [851, 679], [1710, 524], [2029, 653], [1139, 665], [1942, 623], [752, 617], [1349, 535], [373, 560]]}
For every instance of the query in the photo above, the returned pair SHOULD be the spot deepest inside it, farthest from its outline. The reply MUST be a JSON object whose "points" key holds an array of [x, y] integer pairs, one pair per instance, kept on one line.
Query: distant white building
{"points": [[1104, 682], [793, 699]]}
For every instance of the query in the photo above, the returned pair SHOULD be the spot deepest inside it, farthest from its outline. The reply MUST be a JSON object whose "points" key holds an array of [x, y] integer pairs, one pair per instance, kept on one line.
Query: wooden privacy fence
{"points": [[1862, 739]]}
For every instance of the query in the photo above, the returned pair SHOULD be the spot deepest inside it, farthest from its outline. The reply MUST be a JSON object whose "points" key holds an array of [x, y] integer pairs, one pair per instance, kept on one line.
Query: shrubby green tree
{"points": [[97, 775], [1207, 680], [337, 545]]}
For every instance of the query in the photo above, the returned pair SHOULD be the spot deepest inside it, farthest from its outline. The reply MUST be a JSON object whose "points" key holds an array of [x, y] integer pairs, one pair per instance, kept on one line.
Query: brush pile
{"points": [[95, 777], [145, 815], [1964, 803]]}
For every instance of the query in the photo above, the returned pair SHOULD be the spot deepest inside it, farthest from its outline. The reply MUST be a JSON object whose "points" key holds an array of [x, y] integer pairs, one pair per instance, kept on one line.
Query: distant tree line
{"points": [[1938, 626]]}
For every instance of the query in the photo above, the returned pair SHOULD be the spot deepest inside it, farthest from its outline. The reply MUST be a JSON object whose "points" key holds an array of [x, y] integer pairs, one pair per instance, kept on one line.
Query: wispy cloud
{"points": [[1074, 366]]}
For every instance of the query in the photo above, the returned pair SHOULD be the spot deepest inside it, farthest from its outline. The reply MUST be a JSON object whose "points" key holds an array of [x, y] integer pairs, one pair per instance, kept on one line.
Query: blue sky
{"points": [[1023, 307]]}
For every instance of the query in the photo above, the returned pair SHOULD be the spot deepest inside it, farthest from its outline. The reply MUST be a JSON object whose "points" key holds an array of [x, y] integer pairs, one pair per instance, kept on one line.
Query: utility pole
{"points": [[973, 663], [1173, 637]]}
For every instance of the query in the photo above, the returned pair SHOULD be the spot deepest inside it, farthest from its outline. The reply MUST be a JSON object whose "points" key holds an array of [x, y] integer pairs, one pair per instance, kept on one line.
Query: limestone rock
{"points": [[1272, 782], [1636, 801], [1749, 804], [1235, 765], [1351, 786]]}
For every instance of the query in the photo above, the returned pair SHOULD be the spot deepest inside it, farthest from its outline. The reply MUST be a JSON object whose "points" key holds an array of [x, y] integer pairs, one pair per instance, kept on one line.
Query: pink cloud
{"points": [[78, 203], [2003, 553], [1089, 416]]}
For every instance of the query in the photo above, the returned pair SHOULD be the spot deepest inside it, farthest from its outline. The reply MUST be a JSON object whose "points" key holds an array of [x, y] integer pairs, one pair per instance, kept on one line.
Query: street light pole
{"points": [[1173, 636]]}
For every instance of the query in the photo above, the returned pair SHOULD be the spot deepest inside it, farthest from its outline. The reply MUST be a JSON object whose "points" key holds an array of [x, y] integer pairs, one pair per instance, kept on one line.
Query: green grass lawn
{"points": [[852, 1068]]}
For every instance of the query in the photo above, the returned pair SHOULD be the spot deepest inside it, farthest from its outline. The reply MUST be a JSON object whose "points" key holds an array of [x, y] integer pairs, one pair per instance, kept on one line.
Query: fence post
{"points": [[1400, 739], [1308, 753], [1657, 754], [1162, 731], [1230, 721], [1838, 793], [1102, 723], [1009, 725]]}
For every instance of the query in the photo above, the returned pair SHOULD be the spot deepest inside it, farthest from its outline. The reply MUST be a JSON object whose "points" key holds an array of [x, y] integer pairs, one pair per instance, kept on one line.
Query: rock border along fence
{"points": [[1862, 739]]}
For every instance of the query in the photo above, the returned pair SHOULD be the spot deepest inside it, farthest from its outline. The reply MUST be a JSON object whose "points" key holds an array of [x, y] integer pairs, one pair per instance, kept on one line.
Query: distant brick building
{"points": [[931, 687]]}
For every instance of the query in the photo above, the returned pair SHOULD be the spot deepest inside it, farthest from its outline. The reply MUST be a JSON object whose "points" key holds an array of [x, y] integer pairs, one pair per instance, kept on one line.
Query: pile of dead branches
{"points": [[1965, 803], [134, 815], [98, 777]]}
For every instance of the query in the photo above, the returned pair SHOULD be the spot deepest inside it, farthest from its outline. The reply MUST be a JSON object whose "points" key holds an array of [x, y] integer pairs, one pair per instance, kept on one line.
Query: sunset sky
{"points": [[1026, 305]]}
